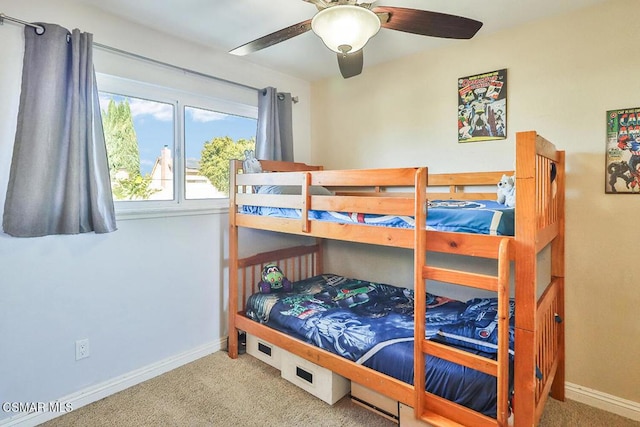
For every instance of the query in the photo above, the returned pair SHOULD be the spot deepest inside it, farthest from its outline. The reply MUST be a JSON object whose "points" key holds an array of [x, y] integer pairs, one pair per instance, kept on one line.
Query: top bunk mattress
{"points": [[463, 216]]}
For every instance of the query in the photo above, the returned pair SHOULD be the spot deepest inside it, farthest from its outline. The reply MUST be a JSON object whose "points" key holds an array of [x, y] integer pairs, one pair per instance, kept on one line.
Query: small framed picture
{"points": [[622, 165], [482, 107]]}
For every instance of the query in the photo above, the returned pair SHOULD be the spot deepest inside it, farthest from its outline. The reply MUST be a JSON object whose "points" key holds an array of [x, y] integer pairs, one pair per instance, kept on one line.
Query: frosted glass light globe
{"points": [[345, 28]]}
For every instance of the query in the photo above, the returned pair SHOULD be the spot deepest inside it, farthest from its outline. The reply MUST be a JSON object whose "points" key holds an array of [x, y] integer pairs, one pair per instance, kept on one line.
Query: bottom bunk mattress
{"points": [[372, 324]]}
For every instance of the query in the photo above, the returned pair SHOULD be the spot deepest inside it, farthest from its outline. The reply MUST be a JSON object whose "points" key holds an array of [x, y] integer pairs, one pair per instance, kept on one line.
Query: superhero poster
{"points": [[482, 107], [622, 173]]}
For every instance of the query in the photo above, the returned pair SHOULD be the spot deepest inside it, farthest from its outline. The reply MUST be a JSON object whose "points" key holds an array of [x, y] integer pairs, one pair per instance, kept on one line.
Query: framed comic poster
{"points": [[622, 173], [482, 107]]}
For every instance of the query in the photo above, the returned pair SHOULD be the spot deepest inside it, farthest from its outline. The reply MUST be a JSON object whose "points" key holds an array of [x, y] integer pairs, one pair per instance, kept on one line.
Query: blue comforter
{"points": [[372, 324], [468, 216]]}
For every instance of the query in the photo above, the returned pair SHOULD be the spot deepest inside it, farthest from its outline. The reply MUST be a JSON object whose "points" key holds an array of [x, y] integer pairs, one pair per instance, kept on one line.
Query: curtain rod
{"points": [[40, 30]]}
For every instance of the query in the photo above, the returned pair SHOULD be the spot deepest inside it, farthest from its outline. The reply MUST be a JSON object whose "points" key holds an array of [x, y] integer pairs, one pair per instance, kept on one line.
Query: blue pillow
{"points": [[315, 190]]}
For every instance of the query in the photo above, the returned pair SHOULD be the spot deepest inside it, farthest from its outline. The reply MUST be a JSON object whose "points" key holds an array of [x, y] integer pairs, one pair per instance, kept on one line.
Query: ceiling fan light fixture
{"points": [[345, 28]]}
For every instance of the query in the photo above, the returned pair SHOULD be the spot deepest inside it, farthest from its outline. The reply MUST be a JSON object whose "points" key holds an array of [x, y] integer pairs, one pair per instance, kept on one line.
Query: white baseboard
{"points": [[107, 388], [604, 401]]}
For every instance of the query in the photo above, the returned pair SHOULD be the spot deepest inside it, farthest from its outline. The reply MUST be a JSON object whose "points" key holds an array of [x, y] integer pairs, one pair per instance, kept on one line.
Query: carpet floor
{"points": [[218, 391]]}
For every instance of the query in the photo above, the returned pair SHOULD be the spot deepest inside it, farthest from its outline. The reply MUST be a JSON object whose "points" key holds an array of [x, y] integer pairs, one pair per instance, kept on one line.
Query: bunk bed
{"points": [[528, 364]]}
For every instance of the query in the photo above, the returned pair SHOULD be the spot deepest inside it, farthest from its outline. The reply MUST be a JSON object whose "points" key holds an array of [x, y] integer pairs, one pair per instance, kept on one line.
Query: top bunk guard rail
{"points": [[393, 177], [465, 186], [303, 182]]}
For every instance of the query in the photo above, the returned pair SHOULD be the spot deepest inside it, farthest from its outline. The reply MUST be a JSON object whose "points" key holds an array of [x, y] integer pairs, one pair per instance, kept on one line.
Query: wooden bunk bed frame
{"points": [[539, 331]]}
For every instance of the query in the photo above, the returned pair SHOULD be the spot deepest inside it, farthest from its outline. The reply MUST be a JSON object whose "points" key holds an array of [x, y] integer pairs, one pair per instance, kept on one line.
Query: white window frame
{"points": [[179, 206]]}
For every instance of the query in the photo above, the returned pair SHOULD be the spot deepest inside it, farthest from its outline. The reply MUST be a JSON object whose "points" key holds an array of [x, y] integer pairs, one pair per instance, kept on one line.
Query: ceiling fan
{"points": [[345, 26]]}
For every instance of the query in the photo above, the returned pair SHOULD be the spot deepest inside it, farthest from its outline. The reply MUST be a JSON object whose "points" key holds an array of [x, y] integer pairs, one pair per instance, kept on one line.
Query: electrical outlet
{"points": [[82, 349]]}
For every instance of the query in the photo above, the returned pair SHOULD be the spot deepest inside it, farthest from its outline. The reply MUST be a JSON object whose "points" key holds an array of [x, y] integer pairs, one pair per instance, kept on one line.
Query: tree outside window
{"points": [[211, 139]]}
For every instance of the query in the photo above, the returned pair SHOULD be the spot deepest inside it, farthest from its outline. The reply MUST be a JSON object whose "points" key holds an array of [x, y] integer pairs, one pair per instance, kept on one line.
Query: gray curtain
{"points": [[59, 179], [274, 139]]}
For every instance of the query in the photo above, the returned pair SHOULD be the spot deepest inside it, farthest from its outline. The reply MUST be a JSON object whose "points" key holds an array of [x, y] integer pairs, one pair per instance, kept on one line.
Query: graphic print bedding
{"points": [[466, 216], [372, 324]]}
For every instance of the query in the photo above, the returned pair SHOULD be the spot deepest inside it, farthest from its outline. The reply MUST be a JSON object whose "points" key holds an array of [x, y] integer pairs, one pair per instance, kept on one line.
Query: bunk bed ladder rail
{"points": [[428, 406]]}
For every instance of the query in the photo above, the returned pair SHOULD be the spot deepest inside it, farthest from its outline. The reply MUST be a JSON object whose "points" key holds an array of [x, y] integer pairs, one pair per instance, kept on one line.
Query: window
{"points": [[139, 134], [170, 149], [211, 139]]}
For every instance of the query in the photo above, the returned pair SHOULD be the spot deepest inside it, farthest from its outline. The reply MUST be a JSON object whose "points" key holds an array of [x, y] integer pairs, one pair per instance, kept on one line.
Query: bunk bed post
{"points": [[502, 413], [419, 285], [319, 258], [558, 272], [525, 278], [306, 202], [232, 346]]}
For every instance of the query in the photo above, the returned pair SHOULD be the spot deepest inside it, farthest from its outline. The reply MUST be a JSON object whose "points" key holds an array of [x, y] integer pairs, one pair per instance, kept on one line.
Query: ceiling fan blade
{"points": [[427, 23], [320, 4], [350, 63], [273, 38]]}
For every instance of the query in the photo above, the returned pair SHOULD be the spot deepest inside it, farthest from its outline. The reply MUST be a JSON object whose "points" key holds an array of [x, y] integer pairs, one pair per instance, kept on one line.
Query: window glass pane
{"points": [[139, 134], [211, 140]]}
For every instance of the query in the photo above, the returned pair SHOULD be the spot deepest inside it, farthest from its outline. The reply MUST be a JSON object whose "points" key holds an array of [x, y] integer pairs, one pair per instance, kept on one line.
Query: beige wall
{"points": [[563, 74]]}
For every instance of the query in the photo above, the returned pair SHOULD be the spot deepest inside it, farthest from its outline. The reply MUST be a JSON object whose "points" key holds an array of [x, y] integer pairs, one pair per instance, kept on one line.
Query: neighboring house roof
{"points": [[192, 163], [198, 186]]}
